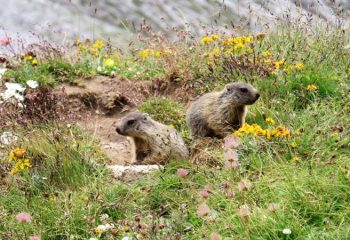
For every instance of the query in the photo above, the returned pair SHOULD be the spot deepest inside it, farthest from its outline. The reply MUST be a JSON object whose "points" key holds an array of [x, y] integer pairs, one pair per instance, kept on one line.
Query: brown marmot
{"points": [[216, 114], [154, 142]]}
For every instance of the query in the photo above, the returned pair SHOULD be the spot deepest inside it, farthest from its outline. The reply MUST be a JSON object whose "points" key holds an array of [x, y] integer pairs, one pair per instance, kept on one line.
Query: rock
{"points": [[129, 173]]}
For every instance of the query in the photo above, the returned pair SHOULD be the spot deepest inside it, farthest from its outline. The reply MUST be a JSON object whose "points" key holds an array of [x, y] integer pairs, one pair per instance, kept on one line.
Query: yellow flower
{"points": [[108, 62], [293, 144], [311, 87], [296, 159], [98, 44], [82, 48], [14, 170], [144, 54], [270, 120], [266, 54], [281, 132], [35, 62], [28, 57], [299, 66], [279, 64], [171, 126], [19, 152], [209, 39]]}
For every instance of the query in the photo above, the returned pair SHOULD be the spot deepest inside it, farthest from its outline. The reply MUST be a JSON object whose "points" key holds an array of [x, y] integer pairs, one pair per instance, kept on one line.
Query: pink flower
{"points": [[242, 185], [273, 207], [23, 217], [181, 172], [34, 238], [230, 193], [244, 211], [5, 41], [215, 236], [203, 210], [204, 193], [232, 164]]}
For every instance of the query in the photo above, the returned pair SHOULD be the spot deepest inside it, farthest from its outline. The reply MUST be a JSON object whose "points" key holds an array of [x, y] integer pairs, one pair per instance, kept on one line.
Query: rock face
{"points": [[112, 18]]}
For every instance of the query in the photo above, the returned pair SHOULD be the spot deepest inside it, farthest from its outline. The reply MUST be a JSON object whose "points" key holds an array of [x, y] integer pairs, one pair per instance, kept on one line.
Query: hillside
{"points": [[283, 175]]}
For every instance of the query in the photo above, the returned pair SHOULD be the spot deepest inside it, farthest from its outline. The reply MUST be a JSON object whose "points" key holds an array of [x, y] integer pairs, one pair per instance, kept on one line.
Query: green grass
{"points": [[68, 192]]}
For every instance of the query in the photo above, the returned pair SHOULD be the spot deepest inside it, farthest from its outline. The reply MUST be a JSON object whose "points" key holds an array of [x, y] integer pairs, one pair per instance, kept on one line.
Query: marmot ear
{"points": [[145, 116]]}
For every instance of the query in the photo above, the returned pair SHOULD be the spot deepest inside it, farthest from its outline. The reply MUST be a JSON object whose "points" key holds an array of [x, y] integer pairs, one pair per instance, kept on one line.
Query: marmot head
{"points": [[240, 94], [134, 124]]}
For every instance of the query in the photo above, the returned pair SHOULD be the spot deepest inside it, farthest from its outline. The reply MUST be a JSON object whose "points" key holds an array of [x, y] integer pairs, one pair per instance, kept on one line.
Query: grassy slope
{"points": [[313, 193]]}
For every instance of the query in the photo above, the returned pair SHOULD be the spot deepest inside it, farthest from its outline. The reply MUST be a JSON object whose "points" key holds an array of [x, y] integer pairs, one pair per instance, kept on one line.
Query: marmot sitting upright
{"points": [[154, 142], [216, 114]]}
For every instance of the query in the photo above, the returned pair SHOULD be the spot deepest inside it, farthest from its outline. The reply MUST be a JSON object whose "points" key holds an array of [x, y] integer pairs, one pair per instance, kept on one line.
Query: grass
{"points": [[69, 192]]}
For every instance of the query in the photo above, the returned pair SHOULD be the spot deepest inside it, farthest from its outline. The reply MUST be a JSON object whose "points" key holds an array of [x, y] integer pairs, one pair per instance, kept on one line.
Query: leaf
{"points": [[231, 141]]}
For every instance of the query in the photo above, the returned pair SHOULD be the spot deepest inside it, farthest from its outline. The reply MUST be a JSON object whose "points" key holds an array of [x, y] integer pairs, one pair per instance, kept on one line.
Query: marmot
{"points": [[154, 142], [216, 114]]}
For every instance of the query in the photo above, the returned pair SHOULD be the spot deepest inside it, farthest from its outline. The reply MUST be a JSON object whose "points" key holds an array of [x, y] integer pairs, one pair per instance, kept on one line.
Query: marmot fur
{"points": [[216, 114], [154, 143]]}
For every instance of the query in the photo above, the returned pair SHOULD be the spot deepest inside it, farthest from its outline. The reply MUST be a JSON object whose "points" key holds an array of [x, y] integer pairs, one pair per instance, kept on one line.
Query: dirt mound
{"points": [[98, 103]]}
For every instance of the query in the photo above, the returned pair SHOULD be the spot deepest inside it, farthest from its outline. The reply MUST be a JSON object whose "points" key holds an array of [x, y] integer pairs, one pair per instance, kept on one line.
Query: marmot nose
{"points": [[257, 96], [118, 130]]}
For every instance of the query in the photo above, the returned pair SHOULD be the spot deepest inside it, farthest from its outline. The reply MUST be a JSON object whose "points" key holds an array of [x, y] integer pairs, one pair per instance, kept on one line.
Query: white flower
{"points": [[126, 238], [99, 69], [32, 84], [104, 228], [13, 91], [92, 238], [7, 138], [2, 72], [287, 231]]}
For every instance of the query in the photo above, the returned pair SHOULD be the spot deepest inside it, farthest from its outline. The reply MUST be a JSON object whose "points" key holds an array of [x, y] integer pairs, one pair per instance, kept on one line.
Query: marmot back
{"points": [[154, 142], [219, 113]]}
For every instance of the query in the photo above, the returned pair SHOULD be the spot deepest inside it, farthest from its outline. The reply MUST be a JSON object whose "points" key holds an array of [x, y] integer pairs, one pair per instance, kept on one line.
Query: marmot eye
{"points": [[243, 89], [145, 119], [130, 122], [229, 89]]}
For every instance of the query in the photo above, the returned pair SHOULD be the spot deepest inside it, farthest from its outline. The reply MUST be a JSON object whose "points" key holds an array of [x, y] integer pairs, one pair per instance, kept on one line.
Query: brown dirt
{"points": [[99, 103]]}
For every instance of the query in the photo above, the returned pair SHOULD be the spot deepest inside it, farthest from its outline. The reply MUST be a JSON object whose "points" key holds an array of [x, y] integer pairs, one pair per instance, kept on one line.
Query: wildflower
{"points": [[270, 120], [34, 238], [23, 217], [32, 84], [28, 57], [266, 54], [7, 138], [230, 193], [19, 152], [203, 210], [242, 185], [181, 172], [13, 91], [231, 141], [311, 87], [232, 164], [204, 193], [244, 211], [293, 144], [280, 132], [215, 236], [98, 44], [287, 231], [279, 64], [296, 159], [5, 41], [126, 238], [171, 126], [209, 39], [299, 66], [146, 53], [103, 228], [35, 62], [108, 62], [273, 207]]}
